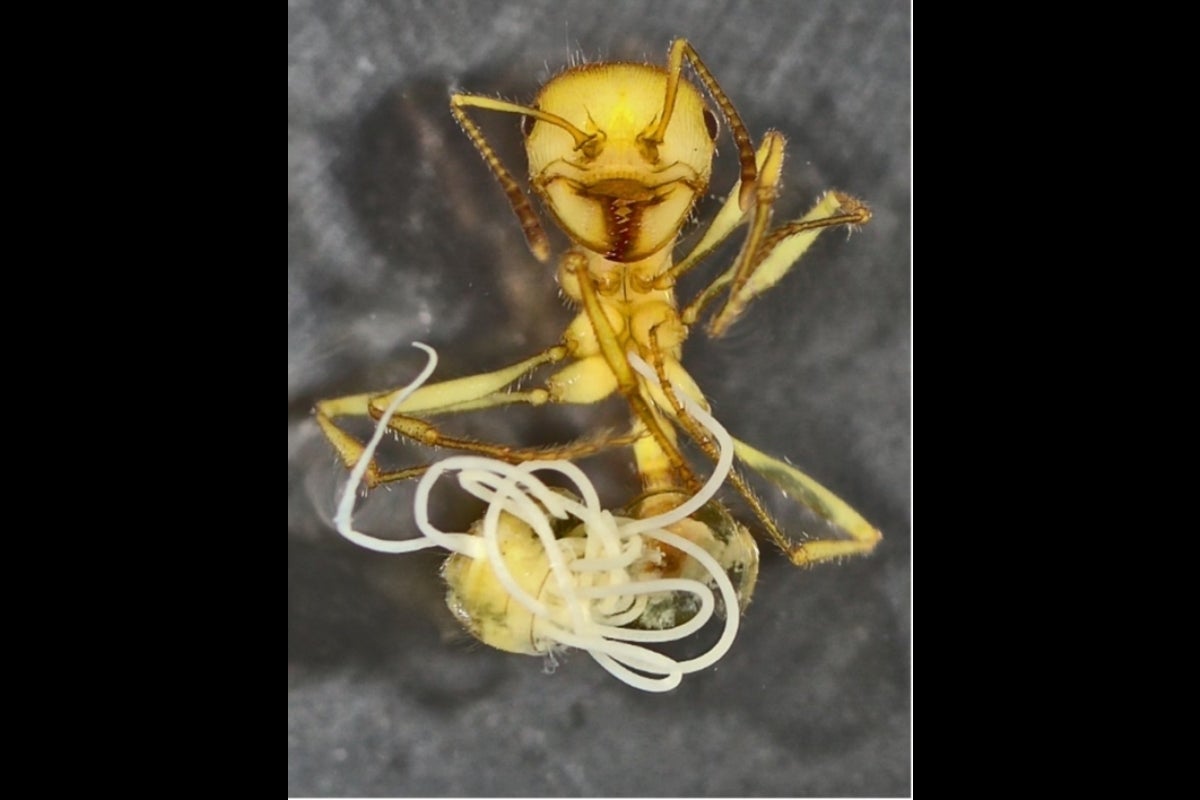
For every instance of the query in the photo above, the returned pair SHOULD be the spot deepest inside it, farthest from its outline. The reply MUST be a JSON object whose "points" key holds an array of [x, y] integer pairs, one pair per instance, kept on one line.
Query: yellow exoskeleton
{"points": [[619, 154]]}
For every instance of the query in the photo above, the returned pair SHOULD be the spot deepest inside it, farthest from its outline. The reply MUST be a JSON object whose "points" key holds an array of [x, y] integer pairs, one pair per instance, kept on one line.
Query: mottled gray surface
{"points": [[396, 232]]}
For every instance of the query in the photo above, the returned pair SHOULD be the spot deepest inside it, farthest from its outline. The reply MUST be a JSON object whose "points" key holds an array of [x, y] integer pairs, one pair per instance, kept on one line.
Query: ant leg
{"points": [[757, 267], [755, 192], [778, 252], [473, 391], [797, 485], [672, 374], [427, 434], [580, 448], [800, 487], [458, 395], [730, 217], [764, 258]]}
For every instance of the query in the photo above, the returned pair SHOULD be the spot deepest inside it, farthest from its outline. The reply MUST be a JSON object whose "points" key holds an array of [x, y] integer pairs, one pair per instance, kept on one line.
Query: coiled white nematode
{"points": [[592, 591]]}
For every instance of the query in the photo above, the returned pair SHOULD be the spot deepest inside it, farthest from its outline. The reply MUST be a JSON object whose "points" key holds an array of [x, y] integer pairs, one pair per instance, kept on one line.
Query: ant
{"points": [[619, 154]]}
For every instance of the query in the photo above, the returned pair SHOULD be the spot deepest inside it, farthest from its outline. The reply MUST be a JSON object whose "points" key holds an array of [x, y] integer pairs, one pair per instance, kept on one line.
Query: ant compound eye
{"points": [[527, 124], [713, 125]]}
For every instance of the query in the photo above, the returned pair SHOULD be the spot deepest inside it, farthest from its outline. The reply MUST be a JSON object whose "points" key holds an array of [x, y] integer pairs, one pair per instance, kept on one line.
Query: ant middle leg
{"points": [[458, 395]]}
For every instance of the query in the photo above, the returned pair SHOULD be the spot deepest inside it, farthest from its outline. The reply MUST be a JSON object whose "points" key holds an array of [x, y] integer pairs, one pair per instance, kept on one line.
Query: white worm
{"points": [[590, 594]]}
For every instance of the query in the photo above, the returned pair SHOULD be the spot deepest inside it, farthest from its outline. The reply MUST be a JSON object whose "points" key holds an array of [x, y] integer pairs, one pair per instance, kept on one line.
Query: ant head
{"points": [[619, 155]]}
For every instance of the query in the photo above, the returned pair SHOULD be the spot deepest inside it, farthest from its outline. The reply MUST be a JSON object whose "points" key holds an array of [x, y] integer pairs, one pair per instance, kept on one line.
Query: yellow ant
{"points": [[619, 154]]}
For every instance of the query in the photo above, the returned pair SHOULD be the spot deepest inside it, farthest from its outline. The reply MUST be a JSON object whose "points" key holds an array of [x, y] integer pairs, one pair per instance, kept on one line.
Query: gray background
{"points": [[396, 232]]}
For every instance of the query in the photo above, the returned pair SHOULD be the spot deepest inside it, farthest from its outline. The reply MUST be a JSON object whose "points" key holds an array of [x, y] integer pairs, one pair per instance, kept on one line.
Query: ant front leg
{"points": [[765, 257], [760, 269], [732, 215]]}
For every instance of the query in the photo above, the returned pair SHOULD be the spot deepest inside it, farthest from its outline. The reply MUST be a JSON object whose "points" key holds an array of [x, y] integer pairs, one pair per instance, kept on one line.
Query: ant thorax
{"points": [[640, 314]]}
